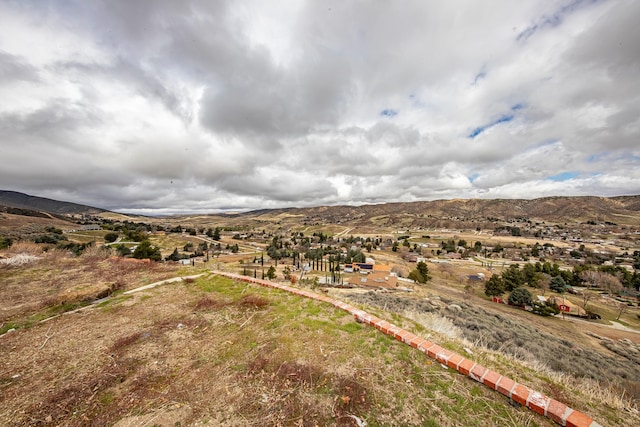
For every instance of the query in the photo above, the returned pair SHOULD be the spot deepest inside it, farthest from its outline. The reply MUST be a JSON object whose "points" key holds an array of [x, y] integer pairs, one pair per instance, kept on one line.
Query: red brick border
{"points": [[535, 401]]}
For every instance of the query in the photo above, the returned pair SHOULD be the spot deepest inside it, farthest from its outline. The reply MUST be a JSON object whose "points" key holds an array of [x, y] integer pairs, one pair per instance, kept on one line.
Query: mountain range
{"points": [[623, 210]]}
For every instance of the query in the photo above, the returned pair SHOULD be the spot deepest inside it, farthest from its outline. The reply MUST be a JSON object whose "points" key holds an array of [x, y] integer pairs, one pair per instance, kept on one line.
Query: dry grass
{"points": [[58, 282], [233, 355], [559, 367], [23, 247]]}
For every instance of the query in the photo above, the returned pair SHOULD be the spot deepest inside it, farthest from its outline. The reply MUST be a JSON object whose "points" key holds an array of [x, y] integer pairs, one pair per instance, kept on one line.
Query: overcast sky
{"points": [[195, 106]]}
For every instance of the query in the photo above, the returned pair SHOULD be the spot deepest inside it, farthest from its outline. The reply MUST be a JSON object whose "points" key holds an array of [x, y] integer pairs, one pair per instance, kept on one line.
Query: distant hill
{"points": [[16, 200], [623, 210]]}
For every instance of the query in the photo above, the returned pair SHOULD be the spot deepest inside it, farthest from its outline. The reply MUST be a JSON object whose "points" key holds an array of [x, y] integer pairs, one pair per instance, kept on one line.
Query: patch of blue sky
{"points": [[481, 75], [564, 176], [473, 177], [518, 106], [388, 112], [596, 157], [554, 19], [505, 118]]}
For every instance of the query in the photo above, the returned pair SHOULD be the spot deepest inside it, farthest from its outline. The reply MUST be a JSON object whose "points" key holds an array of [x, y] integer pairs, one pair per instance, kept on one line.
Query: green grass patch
{"points": [[7, 326], [110, 302], [351, 328]]}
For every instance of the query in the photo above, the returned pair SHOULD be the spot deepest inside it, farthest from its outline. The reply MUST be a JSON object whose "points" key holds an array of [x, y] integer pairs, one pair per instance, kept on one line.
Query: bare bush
{"points": [[514, 338], [19, 259], [26, 248]]}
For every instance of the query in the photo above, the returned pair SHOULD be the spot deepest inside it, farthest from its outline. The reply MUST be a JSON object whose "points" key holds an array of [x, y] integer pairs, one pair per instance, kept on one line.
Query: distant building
{"points": [[90, 227], [375, 279], [364, 267], [567, 306]]}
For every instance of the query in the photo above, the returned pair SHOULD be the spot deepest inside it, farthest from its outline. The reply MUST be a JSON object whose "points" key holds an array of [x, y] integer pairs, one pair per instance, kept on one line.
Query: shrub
{"points": [[545, 309], [49, 238], [5, 242], [494, 287], [520, 297], [111, 237]]}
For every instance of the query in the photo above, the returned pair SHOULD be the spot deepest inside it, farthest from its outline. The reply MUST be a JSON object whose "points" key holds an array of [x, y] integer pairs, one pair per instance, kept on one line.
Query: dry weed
{"points": [[434, 322], [254, 301], [94, 252], [24, 247], [19, 259]]}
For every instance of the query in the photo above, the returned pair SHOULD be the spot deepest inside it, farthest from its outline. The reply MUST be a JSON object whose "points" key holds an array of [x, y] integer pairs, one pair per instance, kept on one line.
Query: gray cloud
{"points": [[195, 106], [14, 68]]}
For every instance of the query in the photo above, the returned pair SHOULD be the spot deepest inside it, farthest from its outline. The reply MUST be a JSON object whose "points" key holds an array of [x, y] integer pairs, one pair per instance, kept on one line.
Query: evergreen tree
{"points": [[558, 284], [494, 287], [175, 256], [420, 274], [512, 277], [144, 250], [520, 297]]}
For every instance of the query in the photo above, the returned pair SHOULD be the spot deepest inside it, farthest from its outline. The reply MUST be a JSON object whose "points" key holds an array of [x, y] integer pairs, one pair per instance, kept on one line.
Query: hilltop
{"points": [[16, 200], [624, 210], [213, 351]]}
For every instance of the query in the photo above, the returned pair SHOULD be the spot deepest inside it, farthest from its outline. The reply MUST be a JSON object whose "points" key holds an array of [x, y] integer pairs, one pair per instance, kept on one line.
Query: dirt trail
{"points": [[129, 292]]}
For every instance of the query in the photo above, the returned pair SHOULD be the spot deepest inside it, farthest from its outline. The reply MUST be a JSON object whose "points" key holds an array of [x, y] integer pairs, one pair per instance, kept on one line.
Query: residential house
{"points": [[90, 227], [379, 279], [364, 267], [567, 306]]}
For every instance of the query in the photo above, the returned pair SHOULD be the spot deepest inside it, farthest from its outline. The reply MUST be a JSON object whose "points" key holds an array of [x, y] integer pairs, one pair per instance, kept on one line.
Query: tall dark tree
{"points": [[494, 287], [512, 277], [175, 256], [558, 284], [520, 297], [216, 234]]}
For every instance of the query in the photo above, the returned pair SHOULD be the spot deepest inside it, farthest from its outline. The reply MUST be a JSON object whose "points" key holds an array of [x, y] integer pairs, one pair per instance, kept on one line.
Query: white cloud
{"points": [[197, 106]]}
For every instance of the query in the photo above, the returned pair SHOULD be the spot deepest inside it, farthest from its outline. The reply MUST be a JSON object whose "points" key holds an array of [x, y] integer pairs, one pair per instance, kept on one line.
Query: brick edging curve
{"points": [[532, 399]]}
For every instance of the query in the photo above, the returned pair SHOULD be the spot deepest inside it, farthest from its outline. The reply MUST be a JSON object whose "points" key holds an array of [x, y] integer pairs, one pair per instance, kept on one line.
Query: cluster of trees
{"points": [[145, 250], [321, 259], [53, 236], [546, 276], [130, 231], [213, 233]]}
